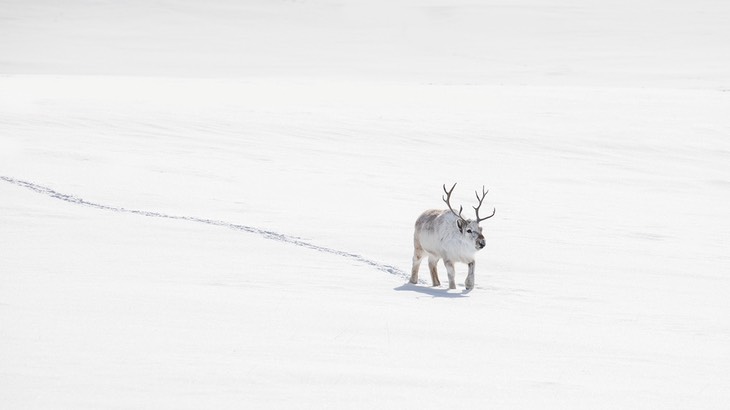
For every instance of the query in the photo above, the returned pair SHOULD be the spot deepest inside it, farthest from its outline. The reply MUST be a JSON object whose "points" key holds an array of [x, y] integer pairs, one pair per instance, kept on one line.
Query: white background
{"points": [[600, 128]]}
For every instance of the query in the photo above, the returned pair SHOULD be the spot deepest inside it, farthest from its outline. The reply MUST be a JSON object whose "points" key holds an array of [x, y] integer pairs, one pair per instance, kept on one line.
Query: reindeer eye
{"points": [[468, 230]]}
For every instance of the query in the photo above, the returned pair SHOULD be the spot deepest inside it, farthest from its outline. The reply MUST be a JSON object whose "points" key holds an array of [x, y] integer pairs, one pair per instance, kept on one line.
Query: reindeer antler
{"points": [[476, 208], [448, 198]]}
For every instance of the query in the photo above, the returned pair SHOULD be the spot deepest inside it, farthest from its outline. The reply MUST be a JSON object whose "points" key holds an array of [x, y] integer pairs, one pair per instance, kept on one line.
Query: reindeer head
{"points": [[468, 227]]}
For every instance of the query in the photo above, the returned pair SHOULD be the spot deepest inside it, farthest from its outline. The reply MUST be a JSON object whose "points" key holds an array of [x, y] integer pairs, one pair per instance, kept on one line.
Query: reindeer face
{"points": [[470, 229], [473, 233]]}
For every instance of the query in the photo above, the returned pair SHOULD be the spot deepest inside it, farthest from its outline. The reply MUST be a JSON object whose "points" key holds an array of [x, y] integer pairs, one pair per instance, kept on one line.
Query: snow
{"points": [[211, 204]]}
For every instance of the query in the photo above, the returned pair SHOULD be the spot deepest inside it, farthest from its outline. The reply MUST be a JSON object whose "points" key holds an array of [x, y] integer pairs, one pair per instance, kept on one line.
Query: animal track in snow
{"points": [[275, 236]]}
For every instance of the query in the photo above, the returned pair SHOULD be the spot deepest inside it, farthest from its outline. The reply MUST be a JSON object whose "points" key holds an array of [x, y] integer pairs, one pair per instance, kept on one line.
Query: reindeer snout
{"points": [[481, 243]]}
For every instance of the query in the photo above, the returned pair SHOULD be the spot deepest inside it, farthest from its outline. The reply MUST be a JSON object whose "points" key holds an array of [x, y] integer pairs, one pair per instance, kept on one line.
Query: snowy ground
{"points": [[210, 204]]}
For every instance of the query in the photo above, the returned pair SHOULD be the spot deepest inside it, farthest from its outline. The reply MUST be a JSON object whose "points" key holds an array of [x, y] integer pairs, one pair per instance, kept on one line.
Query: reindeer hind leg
{"points": [[418, 255], [432, 261]]}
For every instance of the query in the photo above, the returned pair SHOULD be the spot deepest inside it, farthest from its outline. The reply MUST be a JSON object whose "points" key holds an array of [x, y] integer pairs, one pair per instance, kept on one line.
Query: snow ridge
{"points": [[275, 236]]}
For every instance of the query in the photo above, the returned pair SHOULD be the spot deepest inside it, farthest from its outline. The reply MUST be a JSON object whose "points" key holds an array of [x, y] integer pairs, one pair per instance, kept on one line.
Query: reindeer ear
{"points": [[460, 224]]}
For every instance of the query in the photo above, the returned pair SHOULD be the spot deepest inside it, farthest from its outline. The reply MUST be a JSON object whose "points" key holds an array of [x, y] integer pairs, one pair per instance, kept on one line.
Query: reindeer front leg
{"points": [[451, 272], [469, 283]]}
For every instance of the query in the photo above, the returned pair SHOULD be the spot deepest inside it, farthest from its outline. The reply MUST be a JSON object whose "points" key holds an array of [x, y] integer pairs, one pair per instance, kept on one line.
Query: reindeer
{"points": [[445, 234]]}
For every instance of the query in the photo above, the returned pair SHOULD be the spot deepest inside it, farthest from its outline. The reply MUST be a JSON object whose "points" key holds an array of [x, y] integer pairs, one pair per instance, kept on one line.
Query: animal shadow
{"points": [[431, 291]]}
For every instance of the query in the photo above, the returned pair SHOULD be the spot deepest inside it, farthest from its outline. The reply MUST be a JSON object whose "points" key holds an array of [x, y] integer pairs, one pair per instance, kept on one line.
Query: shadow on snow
{"points": [[431, 291]]}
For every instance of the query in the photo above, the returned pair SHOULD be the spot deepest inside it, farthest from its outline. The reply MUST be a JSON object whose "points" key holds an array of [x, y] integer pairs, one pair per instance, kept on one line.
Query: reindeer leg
{"points": [[417, 257], [451, 272], [432, 261], [469, 282]]}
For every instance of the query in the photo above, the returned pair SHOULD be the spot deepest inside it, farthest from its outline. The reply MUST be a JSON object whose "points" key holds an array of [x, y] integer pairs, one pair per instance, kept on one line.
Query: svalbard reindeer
{"points": [[445, 234]]}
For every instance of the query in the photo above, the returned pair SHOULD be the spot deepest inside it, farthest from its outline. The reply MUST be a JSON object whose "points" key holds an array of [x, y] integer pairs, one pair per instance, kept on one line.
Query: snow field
{"points": [[600, 284], [600, 129]]}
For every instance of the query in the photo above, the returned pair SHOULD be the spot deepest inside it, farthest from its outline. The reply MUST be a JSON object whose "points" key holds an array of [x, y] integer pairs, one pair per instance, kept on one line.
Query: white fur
{"points": [[439, 236]]}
